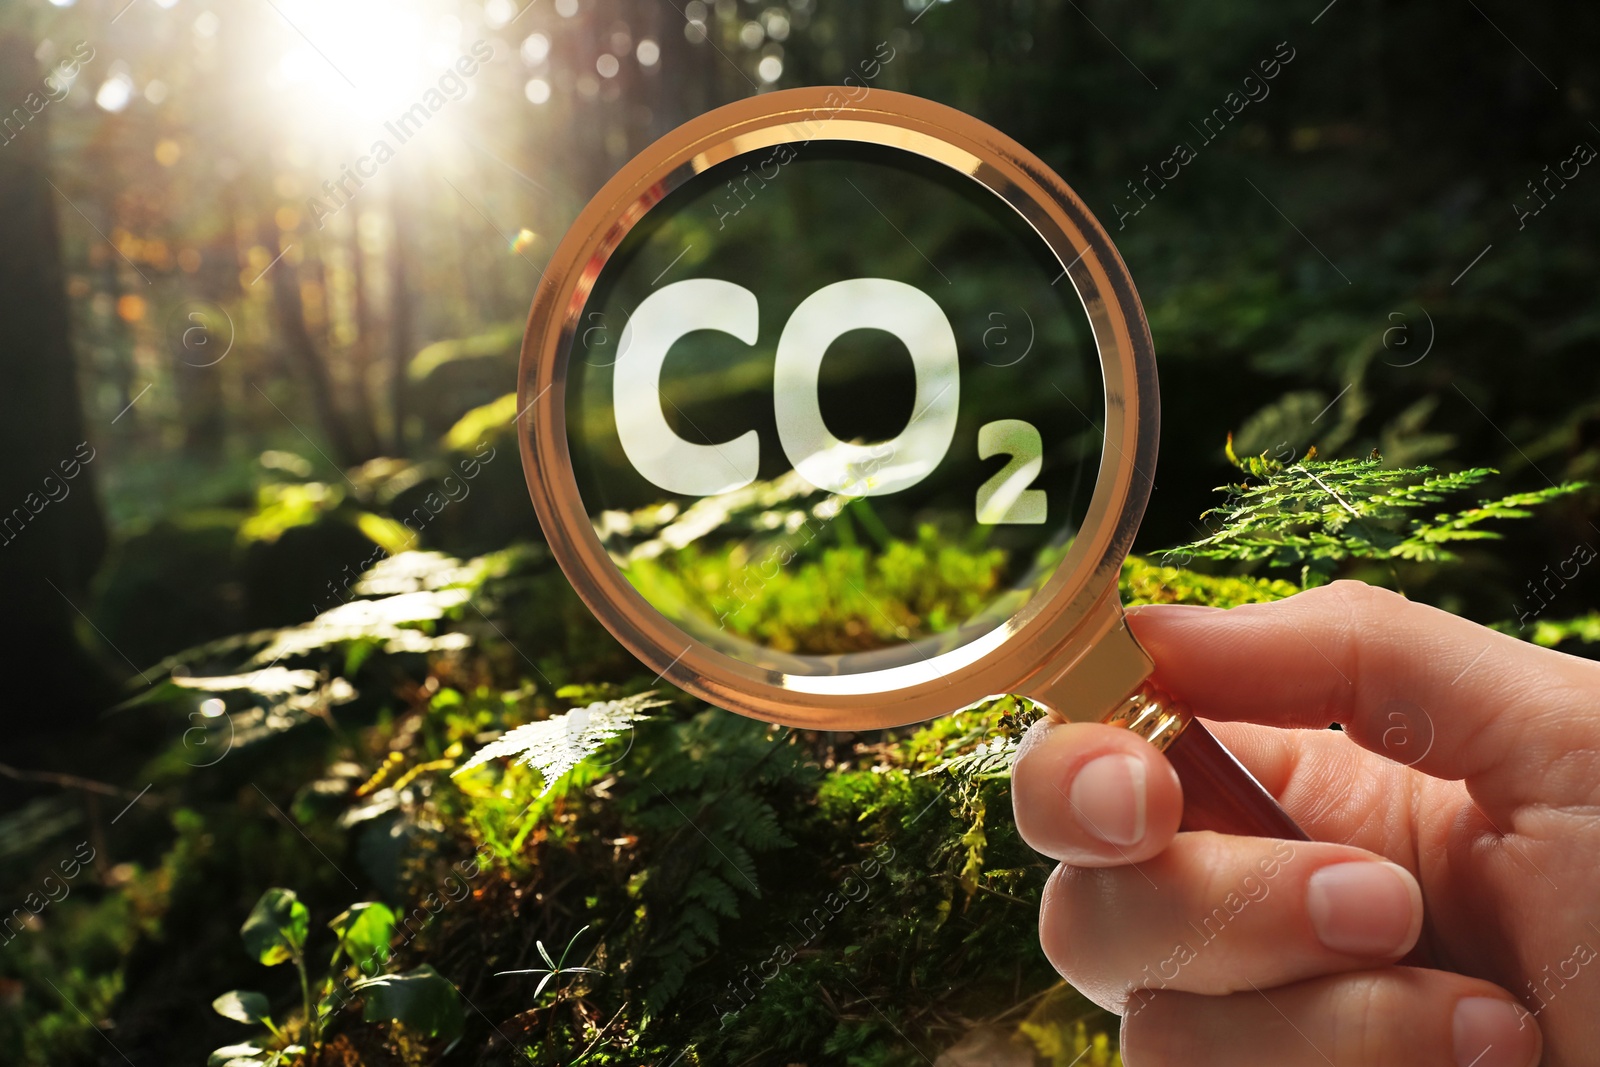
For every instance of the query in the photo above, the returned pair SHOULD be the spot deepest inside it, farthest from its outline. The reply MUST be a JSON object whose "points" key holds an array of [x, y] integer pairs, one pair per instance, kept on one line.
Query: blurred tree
{"points": [[52, 532]]}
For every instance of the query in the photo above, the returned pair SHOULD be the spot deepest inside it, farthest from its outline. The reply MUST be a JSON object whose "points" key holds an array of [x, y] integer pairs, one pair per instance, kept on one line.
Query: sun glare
{"points": [[359, 62]]}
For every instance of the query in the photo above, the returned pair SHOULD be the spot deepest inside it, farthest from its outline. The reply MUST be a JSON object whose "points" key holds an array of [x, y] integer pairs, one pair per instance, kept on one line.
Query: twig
{"points": [[1030, 905], [67, 781], [599, 1034]]}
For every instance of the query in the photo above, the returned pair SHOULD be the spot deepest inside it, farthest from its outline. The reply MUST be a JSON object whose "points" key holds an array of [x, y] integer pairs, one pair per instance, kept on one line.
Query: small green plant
{"points": [[554, 968], [1315, 514], [276, 932]]}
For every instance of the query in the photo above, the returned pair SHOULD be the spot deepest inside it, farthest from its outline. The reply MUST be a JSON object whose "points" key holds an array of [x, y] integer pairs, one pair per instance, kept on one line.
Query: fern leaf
{"points": [[1314, 514], [557, 744], [271, 682], [991, 759]]}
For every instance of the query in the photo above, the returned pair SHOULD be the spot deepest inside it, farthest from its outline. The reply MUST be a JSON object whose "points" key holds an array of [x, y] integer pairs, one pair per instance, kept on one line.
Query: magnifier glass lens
{"points": [[834, 408]]}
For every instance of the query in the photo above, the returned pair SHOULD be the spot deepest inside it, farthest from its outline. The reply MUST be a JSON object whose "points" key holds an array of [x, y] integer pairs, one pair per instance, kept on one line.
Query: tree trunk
{"points": [[303, 352], [401, 341], [52, 531], [361, 349]]}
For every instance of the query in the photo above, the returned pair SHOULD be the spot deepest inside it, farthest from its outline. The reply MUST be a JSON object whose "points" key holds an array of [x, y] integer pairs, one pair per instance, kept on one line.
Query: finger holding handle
{"points": [[1394, 674]]}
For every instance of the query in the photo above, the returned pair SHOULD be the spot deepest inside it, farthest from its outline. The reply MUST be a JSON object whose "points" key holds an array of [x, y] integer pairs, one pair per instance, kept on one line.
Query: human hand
{"points": [[1458, 811]]}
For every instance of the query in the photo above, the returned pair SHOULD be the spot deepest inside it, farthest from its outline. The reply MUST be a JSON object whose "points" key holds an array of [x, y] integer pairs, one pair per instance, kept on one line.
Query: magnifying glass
{"points": [[839, 410]]}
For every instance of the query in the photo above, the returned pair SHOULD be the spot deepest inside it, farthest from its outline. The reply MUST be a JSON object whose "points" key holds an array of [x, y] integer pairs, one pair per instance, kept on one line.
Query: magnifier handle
{"points": [[1218, 792]]}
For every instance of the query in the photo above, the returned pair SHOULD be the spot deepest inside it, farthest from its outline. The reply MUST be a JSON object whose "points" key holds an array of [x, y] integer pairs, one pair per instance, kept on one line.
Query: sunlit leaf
{"points": [[561, 742], [388, 534], [273, 681], [415, 572], [242, 1006], [422, 999], [386, 620], [283, 506], [277, 927], [481, 423], [364, 930], [237, 1056]]}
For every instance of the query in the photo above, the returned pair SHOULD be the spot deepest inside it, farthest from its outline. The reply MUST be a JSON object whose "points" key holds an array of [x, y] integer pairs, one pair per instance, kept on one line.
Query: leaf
{"points": [[388, 534], [1550, 633], [415, 572], [561, 742], [388, 619], [422, 999], [1315, 514], [242, 1006], [277, 927], [364, 931], [991, 759], [272, 682], [236, 1056]]}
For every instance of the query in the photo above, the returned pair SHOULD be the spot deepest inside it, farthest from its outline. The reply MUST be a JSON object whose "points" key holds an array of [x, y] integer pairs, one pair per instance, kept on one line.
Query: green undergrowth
{"points": [[458, 743]]}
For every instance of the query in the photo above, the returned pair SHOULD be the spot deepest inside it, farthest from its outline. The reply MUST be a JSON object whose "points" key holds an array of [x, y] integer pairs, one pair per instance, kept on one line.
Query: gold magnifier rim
{"points": [[1058, 617]]}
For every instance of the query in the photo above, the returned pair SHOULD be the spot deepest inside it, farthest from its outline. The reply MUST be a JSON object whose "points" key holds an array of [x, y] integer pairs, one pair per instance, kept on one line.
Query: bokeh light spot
{"points": [[535, 49], [115, 92], [130, 307]]}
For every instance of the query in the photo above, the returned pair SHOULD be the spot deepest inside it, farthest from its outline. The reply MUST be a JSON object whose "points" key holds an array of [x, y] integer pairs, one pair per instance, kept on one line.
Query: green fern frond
{"points": [[556, 745], [1316, 514]]}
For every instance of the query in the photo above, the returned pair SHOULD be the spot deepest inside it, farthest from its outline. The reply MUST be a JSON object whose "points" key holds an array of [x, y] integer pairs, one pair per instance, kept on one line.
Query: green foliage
{"points": [[482, 424], [243, 1007], [364, 931], [283, 506], [1550, 633], [421, 999], [845, 598], [1143, 582], [557, 744], [253, 1056], [1071, 1044], [1314, 515], [710, 800], [276, 929], [751, 892], [492, 344], [554, 968]]}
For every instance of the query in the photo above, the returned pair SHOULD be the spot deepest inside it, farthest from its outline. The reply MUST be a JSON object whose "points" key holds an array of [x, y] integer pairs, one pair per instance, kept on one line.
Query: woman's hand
{"points": [[1458, 811]]}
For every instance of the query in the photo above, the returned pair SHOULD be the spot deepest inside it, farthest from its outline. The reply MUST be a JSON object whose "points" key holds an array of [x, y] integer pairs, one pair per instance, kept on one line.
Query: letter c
{"points": [[656, 452]]}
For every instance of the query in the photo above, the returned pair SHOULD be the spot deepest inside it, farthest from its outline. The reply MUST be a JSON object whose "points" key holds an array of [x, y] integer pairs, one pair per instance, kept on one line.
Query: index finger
{"points": [[1467, 702]]}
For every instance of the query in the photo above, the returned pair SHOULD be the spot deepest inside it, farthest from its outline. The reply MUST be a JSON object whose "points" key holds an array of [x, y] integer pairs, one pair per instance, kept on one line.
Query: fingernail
{"points": [[1108, 798], [1365, 908], [1490, 1032]]}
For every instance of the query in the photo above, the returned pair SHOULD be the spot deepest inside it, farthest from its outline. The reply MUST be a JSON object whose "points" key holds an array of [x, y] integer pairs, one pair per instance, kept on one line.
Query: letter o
{"points": [[866, 304]]}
